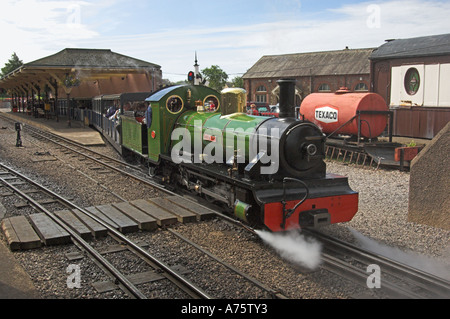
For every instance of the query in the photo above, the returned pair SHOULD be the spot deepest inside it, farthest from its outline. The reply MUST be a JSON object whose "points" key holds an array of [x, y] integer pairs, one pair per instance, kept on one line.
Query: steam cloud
{"points": [[412, 259], [294, 247]]}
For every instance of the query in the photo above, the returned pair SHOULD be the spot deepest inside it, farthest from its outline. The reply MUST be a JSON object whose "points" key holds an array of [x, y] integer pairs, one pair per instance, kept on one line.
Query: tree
{"points": [[12, 64], [216, 76], [238, 82]]}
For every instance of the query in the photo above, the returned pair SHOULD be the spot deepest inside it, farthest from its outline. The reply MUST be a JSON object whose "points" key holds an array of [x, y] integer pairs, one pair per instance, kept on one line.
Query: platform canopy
{"points": [[71, 67]]}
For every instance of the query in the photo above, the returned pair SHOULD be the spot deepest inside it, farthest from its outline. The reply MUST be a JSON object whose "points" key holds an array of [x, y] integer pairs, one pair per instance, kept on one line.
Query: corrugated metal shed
{"points": [[414, 47], [348, 61]]}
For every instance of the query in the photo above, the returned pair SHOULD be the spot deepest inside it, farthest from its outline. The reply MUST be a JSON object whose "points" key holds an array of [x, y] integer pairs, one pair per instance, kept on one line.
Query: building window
{"points": [[174, 104], [412, 81], [261, 98], [261, 88], [361, 87], [324, 88]]}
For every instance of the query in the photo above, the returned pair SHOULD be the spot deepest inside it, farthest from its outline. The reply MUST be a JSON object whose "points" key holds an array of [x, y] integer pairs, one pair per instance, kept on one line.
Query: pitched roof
{"points": [[348, 61], [88, 63], [414, 47], [90, 58]]}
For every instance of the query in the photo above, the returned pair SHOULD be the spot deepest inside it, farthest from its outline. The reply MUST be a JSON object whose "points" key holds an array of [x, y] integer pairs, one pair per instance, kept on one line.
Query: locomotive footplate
{"points": [[311, 203]]}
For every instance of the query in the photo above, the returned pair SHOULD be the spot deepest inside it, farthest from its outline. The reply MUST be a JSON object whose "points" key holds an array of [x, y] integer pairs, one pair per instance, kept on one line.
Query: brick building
{"points": [[315, 72], [413, 76]]}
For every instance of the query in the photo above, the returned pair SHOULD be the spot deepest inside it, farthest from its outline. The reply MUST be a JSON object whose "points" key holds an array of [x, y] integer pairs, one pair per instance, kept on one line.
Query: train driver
{"points": [[253, 110]]}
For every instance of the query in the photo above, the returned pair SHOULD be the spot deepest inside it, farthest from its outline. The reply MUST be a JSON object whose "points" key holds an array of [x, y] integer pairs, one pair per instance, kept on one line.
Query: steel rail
{"points": [[150, 183], [436, 285], [275, 294], [173, 276], [52, 135], [114, 272]]}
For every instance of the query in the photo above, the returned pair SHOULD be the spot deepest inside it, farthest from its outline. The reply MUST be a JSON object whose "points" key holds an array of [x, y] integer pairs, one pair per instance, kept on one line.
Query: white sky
{"points": [[232, 34]]}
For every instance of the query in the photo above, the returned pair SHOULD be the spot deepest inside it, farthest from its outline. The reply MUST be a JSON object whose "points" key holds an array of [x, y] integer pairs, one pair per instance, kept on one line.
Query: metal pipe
{"points": [[287, 97]]}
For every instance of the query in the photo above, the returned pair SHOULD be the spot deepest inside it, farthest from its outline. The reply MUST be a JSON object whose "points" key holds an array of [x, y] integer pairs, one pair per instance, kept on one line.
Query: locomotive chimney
{"points": [[287, 97]]}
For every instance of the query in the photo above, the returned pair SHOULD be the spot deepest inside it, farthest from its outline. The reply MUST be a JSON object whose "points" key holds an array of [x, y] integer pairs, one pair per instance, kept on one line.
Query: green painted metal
{"points": [[132, 134], [154, 140], [230, 132], [164, 120], [177, 107], [241, 210]]}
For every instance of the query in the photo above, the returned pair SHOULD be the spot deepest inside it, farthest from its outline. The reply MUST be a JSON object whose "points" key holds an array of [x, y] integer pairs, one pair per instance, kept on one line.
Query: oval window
{"points": [[174, 104], [211, 103], [412, 81]]}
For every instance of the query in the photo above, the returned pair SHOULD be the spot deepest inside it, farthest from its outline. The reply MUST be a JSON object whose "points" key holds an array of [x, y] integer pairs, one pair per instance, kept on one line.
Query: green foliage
{"points": [[12, 64], [238, 82], [216, 76], [71, 81]]}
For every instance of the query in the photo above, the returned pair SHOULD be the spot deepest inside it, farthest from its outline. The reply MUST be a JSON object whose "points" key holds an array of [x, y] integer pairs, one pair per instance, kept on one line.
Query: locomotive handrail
{"points": [[288, 212]]}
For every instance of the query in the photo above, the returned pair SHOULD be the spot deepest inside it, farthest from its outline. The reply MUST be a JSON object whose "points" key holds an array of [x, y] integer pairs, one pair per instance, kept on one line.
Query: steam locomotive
{"points": [[268, 172]]}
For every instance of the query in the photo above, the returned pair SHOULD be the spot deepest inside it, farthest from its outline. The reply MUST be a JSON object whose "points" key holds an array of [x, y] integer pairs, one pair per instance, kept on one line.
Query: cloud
{"points": [[45, 27], [235, 48], [39, 27]]}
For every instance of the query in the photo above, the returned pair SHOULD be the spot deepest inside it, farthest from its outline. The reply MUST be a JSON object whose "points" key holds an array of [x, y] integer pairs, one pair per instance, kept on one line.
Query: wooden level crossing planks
{"points": [[163, 217], [146, 215], [20, 234], [97, 229], [125, 224], [144, 221], [77, 225], [50, 232], [203, 213], [183, 215], [98, 214]]}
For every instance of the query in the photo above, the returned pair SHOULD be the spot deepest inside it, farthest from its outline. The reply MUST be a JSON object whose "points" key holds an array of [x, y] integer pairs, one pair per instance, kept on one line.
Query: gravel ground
{"points": [[382, 217]]}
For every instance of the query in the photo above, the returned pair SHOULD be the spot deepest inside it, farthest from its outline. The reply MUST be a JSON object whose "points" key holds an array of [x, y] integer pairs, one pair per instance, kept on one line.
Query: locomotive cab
{"points": [[167, 106]]}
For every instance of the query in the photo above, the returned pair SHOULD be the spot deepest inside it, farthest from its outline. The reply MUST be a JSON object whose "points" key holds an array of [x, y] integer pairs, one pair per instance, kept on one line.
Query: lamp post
{"points": [[18, 127], [70, 81]]}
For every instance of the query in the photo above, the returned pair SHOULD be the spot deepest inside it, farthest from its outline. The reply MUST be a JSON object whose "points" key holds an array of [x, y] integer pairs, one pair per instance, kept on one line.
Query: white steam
{"points": [[294, 247], [412, 259]]}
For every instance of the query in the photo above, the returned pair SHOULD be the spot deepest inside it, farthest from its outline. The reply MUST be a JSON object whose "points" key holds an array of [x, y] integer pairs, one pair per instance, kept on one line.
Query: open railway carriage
{"points": [[268, 171]]}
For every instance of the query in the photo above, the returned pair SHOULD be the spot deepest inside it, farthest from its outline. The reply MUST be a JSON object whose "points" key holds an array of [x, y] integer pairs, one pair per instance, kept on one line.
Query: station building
{"points": [[314, 71], [413, 76], [76, 76]]}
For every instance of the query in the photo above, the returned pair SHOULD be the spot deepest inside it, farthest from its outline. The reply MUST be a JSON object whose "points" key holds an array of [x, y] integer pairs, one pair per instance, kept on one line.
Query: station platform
{"points": [[14, 281], [77, 131]]}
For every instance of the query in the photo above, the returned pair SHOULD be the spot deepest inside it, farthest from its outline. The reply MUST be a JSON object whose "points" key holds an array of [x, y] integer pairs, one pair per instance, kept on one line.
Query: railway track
{"points": [[121, 280], [397, 280], [117, 277], [331, 262]]}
